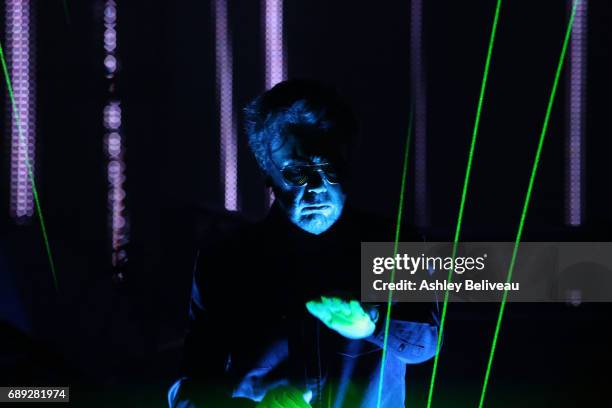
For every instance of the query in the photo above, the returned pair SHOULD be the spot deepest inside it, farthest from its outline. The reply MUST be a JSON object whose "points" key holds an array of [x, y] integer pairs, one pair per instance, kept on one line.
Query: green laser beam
{"points": [[400, 210], [466, 182], [534, 170], [28, 165]]}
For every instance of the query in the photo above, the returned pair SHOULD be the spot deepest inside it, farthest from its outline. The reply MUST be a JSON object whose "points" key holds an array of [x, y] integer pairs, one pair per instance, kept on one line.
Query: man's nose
{"points": [[316, 184]]}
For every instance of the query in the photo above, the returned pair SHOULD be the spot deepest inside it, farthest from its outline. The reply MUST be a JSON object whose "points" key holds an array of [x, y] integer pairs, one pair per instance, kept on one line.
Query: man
{"points": [[275, 319]]}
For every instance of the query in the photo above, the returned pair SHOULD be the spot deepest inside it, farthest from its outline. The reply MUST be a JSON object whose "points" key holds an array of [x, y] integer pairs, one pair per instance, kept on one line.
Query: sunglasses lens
{"points": [[299, 175], [330, 173], [295, 176]]}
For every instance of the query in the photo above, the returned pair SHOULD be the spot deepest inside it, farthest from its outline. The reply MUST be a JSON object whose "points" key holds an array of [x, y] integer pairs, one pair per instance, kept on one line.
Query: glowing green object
{"points": [[9, 87], [527, 200], [345, 317], [464, 193], [285, 397]]}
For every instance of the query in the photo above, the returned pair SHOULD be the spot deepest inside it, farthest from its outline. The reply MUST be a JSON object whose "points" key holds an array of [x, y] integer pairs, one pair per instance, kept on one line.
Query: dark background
{"points": [[122, 341]]}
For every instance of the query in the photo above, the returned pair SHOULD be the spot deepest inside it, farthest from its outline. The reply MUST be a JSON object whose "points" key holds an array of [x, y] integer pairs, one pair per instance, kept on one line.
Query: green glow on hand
{"points": [[348, 318], [466, 181], [9, 87], [395, 245], [527, 200]]}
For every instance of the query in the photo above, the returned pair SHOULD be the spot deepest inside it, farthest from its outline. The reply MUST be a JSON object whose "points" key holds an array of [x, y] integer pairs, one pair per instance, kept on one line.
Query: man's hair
{"points": [[295, 105]]}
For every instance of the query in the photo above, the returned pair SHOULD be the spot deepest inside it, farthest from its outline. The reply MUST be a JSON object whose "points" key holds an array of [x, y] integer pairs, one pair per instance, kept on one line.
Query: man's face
{"points": [[306, 183]]}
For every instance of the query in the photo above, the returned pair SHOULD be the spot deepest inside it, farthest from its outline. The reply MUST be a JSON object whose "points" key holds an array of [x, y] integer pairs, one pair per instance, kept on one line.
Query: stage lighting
{"points": [[20, 61], [225, 101], [113, 143], [576, 101], [419, 97], [276, 69], [275, 54]]}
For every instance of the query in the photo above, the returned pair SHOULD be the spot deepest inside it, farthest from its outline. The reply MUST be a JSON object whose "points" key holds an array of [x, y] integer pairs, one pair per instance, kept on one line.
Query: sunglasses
{"points": [[300, 175]]}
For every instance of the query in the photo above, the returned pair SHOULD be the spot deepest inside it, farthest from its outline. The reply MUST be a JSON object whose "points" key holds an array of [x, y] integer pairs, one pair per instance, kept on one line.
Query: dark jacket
{"points": [[250, 331]]}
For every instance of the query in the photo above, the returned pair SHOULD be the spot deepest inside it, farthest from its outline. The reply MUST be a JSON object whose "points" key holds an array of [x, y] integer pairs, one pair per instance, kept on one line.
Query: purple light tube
{"points": [[275, 56], [576, 100], [110, 38], [113, 142], [276, 69], [19, 37], [227, 120], [116, 176], [420, 112]]}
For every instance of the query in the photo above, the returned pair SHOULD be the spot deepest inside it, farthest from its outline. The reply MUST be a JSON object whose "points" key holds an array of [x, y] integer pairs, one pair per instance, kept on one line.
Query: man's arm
{"points": [[413, 330], [413, 340], [413, 327]]}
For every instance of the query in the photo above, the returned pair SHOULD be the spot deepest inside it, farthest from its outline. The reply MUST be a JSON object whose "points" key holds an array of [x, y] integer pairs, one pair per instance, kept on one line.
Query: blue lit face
{"points": [[312, 199]]}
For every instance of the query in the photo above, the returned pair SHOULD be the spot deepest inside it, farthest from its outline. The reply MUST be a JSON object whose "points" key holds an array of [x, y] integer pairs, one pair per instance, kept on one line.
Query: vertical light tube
{"points": [[19, 37], [276, 69], [225, 101], [576, 100], [420, 112], [113, 141], [274, 45]]}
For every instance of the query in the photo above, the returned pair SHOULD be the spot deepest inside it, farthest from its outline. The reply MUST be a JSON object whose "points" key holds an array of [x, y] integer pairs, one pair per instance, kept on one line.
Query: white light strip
{"points": [[420, 112], [21, 70], [576, 117], [227, 121]]}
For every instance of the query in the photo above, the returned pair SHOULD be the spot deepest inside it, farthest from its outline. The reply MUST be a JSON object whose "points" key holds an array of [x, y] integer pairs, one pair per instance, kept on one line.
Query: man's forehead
{"points": [[295, 152], [311, 149], [303, 160]]}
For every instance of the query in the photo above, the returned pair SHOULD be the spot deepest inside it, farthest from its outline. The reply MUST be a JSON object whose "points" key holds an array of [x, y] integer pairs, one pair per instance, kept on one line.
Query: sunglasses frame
{"points": [[320, 170]]}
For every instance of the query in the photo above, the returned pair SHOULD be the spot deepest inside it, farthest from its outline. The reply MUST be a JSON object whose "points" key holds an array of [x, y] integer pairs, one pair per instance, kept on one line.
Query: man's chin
{"points": [[315, 223]]}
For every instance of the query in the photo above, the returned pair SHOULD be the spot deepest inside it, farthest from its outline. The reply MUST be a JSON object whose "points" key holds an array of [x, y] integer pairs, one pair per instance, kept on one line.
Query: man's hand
{"points": [[345, 317], [286, 397]]}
